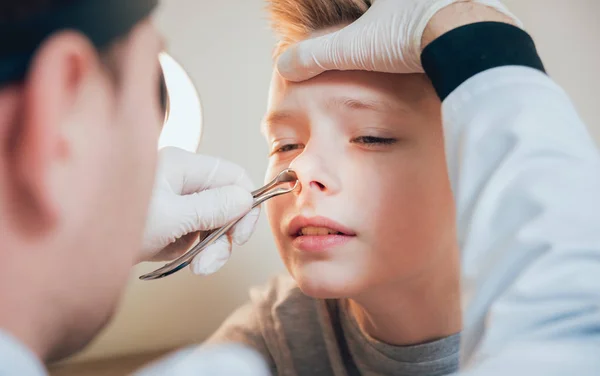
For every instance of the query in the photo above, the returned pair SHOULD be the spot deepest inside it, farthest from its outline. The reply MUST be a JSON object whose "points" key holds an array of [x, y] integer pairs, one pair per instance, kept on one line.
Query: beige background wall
{"points": [[226, 45]]}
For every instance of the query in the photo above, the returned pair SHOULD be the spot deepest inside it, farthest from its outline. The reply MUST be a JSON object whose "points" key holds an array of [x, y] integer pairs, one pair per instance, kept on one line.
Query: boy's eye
{"points": [[372, 140], [286, 148]]}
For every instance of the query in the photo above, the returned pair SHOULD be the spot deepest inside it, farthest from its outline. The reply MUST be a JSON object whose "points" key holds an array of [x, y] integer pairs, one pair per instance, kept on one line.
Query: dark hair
{"points": [[16, 10], [111, 13]]}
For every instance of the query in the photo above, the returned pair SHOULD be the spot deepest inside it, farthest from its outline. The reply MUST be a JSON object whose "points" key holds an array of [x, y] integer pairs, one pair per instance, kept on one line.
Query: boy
{"points": [[369, 238]]}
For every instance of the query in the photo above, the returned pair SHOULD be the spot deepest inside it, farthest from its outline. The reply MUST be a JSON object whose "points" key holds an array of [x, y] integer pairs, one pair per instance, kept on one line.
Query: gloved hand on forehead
{"points": [[195, 193], [387, 38]]}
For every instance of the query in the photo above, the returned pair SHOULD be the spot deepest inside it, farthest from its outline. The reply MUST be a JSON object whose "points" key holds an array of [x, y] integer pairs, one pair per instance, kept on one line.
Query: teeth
{"points": [[317, 231]]}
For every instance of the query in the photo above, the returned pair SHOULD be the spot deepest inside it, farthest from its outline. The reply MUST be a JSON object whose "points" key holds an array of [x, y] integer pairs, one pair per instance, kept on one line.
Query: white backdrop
{"points": [[226, 47]]}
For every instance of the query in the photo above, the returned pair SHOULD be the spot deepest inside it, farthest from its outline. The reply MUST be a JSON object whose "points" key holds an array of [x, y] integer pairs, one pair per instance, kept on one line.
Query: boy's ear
{"points": [[56, 77]]}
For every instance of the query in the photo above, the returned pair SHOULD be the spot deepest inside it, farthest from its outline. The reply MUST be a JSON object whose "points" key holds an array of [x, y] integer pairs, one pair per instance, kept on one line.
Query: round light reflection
{"points": [[183, 124]]}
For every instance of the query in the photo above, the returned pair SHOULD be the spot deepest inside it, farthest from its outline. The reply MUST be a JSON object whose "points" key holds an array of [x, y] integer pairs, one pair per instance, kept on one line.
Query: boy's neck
{"points": [[421, 310]]}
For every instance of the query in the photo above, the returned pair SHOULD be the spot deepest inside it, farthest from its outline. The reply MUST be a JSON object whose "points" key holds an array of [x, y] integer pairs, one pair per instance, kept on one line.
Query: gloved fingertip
{"points": [[208, 269], [284, 63], [212, 258], [293, 66], [244, 229]]}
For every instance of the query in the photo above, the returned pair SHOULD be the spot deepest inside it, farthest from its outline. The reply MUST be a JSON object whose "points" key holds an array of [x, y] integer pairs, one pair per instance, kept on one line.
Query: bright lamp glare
{"points": [[183, 126]]}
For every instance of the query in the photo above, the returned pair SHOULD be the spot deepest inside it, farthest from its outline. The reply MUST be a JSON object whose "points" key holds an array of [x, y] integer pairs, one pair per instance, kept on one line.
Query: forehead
{"points": [[352, 90]]}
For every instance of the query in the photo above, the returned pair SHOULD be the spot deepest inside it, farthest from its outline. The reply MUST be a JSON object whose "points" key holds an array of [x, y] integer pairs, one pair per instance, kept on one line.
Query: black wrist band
{"points": [[468, 50]]}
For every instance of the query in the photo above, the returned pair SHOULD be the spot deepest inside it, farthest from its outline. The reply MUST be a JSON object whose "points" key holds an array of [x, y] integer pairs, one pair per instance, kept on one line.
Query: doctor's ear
{"points": [[57, 77]]}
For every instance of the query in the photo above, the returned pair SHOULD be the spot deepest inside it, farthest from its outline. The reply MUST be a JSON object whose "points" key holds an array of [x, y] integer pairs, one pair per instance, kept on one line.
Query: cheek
{"points": [[276, 209], [278, 164], [382, 203], [273, 206], [410, 214], [272, 170]]}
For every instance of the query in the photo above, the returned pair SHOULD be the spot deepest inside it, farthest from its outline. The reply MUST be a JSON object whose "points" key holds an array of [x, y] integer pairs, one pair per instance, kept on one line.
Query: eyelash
{"points": [[288, 147], [372, 140], [369, 141]]}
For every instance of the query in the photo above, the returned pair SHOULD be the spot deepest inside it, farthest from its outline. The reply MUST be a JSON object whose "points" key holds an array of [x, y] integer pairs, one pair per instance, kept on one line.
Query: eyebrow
{"points": [[274, 117], [351, 103], [338, 102], [278, 117]]}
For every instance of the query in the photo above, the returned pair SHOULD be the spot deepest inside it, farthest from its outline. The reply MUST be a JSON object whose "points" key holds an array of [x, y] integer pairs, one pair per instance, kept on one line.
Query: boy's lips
{"points": [[300, 223], [318, 233]]}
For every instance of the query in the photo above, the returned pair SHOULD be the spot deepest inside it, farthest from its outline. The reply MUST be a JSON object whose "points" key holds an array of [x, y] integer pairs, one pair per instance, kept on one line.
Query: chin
{"points": [[321, 280], [80, 333], [67, 348]]}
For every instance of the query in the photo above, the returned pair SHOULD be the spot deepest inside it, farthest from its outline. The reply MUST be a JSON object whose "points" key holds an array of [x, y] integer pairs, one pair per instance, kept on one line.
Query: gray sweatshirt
{"points": [[299, 335]]}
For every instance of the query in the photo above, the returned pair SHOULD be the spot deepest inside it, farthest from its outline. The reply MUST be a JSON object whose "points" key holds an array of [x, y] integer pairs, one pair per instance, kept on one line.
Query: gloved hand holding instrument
{"points": [[195, 193], [270, 190]]}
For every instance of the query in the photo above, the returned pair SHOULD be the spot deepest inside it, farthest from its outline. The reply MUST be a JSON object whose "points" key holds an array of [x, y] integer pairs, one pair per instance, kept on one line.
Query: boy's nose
{"points": [[315, 173]]}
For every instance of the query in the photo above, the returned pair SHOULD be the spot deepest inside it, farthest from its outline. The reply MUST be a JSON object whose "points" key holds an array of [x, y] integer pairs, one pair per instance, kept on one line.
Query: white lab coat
{"points": [[226, 360], [16, 359], [526, 178], [235, 360]]}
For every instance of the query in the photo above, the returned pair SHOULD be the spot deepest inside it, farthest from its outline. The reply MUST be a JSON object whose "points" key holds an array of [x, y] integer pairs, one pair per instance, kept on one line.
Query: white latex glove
{"points": [[387, 38], [195, 193]]}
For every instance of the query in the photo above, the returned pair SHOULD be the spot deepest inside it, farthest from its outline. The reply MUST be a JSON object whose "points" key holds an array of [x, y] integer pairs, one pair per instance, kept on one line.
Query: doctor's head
{"points": [[78, 135], [375, 208]]}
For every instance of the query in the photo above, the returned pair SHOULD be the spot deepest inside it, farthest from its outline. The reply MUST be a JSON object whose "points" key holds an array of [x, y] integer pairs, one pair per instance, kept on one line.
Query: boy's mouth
{"points": [[317, 226], [317, 231], [318, 234]]}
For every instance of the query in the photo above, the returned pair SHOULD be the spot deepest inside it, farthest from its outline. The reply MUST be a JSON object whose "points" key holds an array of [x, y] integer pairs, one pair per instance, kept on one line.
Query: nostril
{"points": [[317, 185]]}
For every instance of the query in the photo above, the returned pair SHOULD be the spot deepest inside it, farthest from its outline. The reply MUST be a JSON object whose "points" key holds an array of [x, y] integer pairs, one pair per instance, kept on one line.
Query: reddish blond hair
{"points": [[293, 20]]}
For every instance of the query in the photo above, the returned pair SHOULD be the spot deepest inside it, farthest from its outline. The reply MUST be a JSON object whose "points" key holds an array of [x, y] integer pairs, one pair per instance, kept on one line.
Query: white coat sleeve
{"points": [[526, 180], [222, 360]]}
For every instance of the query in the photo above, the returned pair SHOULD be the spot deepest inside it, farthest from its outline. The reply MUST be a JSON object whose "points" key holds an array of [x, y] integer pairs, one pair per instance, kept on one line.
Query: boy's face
{"points": [[375, 206]]}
